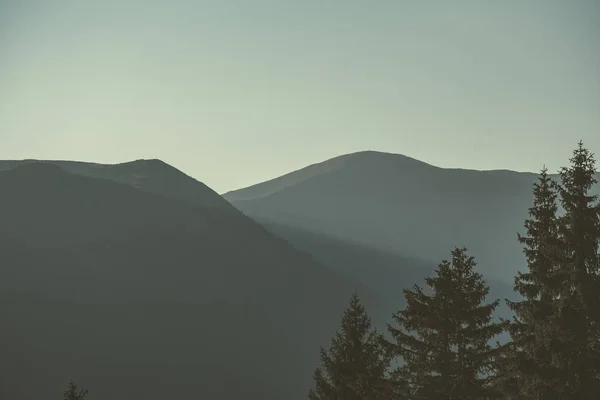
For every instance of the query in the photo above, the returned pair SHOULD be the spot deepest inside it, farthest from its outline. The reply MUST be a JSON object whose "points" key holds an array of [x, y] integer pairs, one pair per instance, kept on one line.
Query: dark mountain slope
{"points": [[137, 295], [152, 176], [402, 205]]}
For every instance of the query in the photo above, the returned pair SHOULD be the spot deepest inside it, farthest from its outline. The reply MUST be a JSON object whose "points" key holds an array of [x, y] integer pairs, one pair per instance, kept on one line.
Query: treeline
{"points": [[438, 347]]}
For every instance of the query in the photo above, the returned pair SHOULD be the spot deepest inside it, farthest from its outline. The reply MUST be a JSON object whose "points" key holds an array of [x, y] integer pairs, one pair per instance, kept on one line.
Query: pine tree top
{"points": [[354, 366]]}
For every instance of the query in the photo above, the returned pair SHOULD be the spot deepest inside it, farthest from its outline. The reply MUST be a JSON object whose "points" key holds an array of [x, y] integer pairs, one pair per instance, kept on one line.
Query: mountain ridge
{"points": [[150, 175], [117, 287], [392, 202], [318, 168], [265, 188]]}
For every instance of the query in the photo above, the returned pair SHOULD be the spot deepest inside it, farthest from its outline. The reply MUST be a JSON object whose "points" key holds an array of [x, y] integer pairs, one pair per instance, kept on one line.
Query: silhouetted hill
{"points": [[152, 176], [395, 203], [137, 295], [368, 161]]}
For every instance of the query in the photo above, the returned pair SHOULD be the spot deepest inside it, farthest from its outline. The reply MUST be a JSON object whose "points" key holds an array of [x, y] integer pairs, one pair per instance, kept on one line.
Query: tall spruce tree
{"points": [[355, 365], [577, 310], [506, 379], [443, 338], [527, 372]]}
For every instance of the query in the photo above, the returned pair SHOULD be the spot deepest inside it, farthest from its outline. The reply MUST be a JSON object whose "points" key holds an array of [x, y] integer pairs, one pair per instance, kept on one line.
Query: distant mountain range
{"points": [[397, 204], [140, 295], [139, 281]]}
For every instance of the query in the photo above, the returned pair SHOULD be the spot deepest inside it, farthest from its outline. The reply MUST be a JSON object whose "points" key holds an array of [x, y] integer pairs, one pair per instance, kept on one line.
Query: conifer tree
{"points": [[74, 393], [531, 329], [506, 380], [443, 338], [355, 365], [577, 309]]}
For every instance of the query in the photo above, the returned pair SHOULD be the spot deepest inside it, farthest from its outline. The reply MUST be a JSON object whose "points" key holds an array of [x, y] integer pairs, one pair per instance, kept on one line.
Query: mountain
{"points": [[397, 204], [138, 295], [153, 176], [385, 273]]}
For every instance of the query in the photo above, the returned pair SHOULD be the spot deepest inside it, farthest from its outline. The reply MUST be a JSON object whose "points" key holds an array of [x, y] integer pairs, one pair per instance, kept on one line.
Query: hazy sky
{"points": [[234, 92]]}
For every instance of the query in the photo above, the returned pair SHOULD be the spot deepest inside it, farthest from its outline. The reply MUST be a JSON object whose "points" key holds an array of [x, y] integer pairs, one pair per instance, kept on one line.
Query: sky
{"points": [[240, 91]]}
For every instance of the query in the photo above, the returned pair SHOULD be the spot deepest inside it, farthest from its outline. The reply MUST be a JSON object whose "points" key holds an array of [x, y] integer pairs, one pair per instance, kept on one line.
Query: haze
{"points": [[237, 92]]}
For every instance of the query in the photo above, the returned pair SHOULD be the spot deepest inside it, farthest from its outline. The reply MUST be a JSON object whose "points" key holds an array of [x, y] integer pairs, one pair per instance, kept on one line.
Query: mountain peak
{"points": [[153, 162], [381, 159], [149, 175], [355, 164]]}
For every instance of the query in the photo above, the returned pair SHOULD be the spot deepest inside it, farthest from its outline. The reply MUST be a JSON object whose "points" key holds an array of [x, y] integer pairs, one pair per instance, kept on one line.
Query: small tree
{"points": [[355, 366], [74, 393]]}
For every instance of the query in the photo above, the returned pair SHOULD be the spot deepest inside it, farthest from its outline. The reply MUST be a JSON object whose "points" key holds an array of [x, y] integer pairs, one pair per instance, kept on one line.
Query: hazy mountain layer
{"points": [[384, 272], [402, 205]]}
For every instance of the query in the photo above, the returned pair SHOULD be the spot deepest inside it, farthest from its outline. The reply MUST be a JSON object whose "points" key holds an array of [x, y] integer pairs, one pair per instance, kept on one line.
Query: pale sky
{"points": [[235, 92]]}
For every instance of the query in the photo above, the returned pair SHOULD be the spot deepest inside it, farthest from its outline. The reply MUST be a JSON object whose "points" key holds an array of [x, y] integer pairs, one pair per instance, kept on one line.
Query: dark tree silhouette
{"points": [[530, 374], [577, 309], [443, 338], [555, 353], [74, 393], [355, 366]]}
